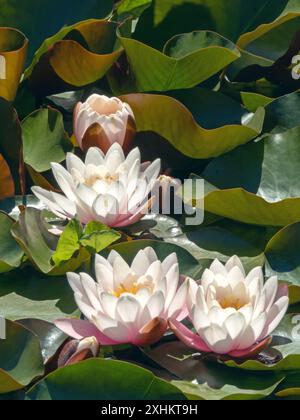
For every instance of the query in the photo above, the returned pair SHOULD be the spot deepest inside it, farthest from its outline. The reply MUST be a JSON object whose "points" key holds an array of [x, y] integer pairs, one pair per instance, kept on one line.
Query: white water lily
{"points": [[102, 121], [233, 314], [110, 189], [127, 304]]}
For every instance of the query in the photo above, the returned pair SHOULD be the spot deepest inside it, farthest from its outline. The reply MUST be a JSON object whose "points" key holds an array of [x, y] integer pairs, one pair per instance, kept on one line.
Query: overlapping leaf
{"points": [[27, 294], [202, 380], [174, 122], [259, 179], [187, 60], [46, 19], [20, 358], [10, 252], [13, 49], [77, 56], [103, 380]]}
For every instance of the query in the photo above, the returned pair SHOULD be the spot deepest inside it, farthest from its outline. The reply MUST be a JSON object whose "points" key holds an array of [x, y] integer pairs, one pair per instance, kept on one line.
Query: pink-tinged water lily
{"points": [[233, 314], [111, 189], [102, 121], [127, 304]]}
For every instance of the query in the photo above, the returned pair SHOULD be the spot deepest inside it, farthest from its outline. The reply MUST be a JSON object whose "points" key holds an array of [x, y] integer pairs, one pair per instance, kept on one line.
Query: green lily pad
{"points": [[76, 56], [253, 101], [166, 18], [175, 123], [201, 379], [97, 379], [10, 253], [27, 294], [41, 22], [187, 60], [51, 338], [44, 139], [32, 234], [281, 115], [20, 358], [259, 179], [11, 141]]}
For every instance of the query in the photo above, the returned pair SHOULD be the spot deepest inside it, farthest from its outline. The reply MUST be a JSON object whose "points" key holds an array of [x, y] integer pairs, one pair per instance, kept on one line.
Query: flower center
{"points": [[133, 288], [109, 179], [232, 301]]}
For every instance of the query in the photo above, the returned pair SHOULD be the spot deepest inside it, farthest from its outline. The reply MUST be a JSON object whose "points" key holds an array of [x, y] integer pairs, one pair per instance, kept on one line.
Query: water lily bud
{"points": [[233, 314], [102, 121], [128, 304], [76, 351]]}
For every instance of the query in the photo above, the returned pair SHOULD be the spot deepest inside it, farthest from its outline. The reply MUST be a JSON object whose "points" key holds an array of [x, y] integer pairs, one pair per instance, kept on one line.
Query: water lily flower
{"points": [[233, 314], [102, 121], [111, 189], [127, 304]]}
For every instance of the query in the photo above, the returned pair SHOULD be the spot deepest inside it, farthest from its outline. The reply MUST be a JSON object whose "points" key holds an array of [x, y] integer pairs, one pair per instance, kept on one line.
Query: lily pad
{"points": [[32, 234], [201, 379], [27, 294], [98, 379], [174, 122], [36, 22], [76, 56], [13, 50], [44, 139], [10, 253], [51, 338], [187, 60], [20, 358], [258, 178]]}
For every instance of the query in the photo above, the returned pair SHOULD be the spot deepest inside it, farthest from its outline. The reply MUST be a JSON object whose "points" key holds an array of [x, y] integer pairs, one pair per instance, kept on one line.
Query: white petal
{"points": [[270, 290], [235, 262], [94, 156], [75, 283], [218, 339], [140, 263], [155, 305], [179, 301], [151, 254], [169, 262], [218, 268], [121, 270], [47, 198], [104, 277], [64, 180], [235, 325], [114, 158], [155, 271], [254, 274], [73, 162], [275, 315], [172, 278], [128, 309], [252, 333], [90, 288], [109, 303]]}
